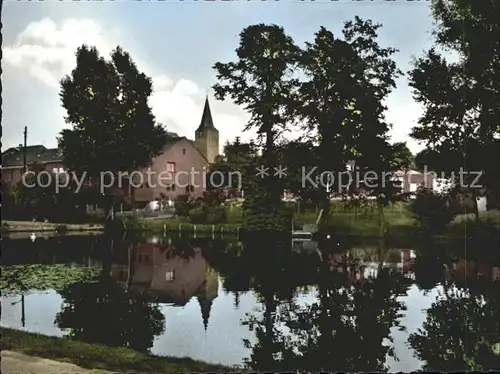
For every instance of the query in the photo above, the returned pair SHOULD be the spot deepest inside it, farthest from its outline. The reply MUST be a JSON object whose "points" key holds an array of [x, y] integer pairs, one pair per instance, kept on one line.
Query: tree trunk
{"points": [[382, 219], [109, 207], [131, 265], [108, 255], [475, 205], [325, 207], [132, 201]]}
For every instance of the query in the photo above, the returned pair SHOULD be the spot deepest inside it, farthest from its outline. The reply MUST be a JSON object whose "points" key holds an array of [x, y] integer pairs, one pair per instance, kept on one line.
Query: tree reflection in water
{"points": [[344, 330], [106, 313], [461, 331]]}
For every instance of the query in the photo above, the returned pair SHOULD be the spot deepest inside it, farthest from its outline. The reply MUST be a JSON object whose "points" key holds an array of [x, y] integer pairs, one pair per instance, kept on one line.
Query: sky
{"points": [[176, 43]]}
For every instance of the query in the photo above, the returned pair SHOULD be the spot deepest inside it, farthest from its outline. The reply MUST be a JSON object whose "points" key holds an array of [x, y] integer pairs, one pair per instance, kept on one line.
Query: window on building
{"points": [[142, 258], [171, 187], [170, 275], [183, 151], [171, 167], [189, 188]]}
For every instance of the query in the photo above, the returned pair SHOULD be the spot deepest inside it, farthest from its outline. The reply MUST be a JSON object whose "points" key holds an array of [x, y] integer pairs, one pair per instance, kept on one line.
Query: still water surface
{"points": [[266, 304]]}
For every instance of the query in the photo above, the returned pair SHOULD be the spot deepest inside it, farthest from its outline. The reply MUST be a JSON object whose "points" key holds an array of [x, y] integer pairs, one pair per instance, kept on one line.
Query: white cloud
{"points": [[46, 51]]}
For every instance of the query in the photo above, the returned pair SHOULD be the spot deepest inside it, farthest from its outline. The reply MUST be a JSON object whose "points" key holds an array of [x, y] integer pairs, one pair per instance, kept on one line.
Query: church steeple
{"points": [[206, 118], [206, 135], [206, 306]]}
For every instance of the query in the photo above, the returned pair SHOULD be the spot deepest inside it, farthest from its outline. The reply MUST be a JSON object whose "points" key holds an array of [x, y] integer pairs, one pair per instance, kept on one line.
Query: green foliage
{"points": [[431, 210], [102, 312], [461, 100], [402, 156], [461, 331], [198, 215], [112, 127], [232, 169], [260, 81], [340, 101], [38, 277], [234, 213], [217, 215], [209, 209], [184, 204], [294, 156], [41, 198]]}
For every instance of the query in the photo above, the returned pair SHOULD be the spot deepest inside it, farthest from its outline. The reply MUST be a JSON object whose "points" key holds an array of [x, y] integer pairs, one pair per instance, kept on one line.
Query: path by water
{"points": [[14, 362]]}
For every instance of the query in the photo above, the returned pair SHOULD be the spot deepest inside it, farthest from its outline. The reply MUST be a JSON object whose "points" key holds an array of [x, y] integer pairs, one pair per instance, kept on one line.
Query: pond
{"points": [[265, 303]]}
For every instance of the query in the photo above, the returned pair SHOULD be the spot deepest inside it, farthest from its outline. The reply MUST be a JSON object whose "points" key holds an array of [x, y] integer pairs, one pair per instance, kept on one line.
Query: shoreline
{"points": [[361, 228], [100, 357], [27, 226]]}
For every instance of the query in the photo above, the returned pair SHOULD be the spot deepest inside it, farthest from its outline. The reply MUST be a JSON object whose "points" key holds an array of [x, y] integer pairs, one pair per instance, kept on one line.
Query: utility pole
{"points": [[23, 312], [24, 148]]}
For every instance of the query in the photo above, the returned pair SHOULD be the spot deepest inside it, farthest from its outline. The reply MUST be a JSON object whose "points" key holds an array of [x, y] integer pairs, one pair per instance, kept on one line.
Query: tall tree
{"points": [[341, 99], [113, 128], [298, 157], [471, 29], [461, 99], [403, 155], [260, 81], [238, 159]]}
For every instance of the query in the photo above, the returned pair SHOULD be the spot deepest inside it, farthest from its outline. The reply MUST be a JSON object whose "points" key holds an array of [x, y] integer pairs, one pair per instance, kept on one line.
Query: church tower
{"points": [[208, 293], [207, 136]]}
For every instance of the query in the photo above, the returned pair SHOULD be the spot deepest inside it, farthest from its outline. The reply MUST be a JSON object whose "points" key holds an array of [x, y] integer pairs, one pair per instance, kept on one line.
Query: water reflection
{"points": [[169, 275], [103, 312], [339, 305]]}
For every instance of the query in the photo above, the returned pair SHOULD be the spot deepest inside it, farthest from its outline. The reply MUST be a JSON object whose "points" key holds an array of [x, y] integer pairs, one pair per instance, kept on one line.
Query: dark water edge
{"points": [[265, 300]]}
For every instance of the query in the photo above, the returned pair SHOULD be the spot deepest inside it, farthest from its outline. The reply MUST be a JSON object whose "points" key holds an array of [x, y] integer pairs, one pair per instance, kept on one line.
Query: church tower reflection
{"points": [[172, 278]]}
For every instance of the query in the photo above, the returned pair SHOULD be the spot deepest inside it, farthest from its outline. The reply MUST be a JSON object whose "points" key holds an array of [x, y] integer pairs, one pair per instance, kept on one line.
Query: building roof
{"points": [[401, 173], [38, 154], [35, 154], [171, 140], [206, 118]]}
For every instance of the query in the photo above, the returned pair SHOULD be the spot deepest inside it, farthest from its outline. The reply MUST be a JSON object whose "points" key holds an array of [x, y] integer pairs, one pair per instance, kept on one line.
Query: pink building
{"points": [[37, 157], [183, 164], [172, 279]]}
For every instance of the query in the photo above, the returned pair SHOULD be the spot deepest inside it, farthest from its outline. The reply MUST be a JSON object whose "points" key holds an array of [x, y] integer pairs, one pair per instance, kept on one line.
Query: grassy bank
{"points": [[173, 224], [27, 226], [46, 234], [94, 356], [344, 219]]}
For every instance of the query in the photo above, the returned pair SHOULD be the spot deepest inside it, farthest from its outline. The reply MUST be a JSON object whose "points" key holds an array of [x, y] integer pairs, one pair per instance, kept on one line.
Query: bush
{"points": [[217, 215], [184, 204], [432, 211], [198, 215], [234, 213]]}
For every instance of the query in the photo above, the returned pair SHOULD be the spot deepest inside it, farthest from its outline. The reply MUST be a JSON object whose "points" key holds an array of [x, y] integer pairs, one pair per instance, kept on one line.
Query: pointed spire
{"points": [[206, 306], [206, 118]]}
